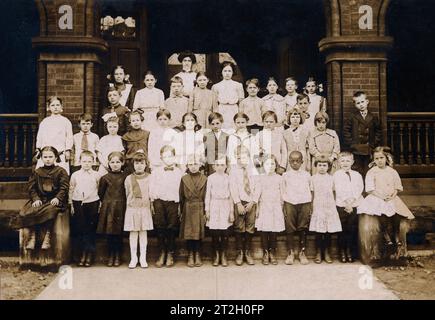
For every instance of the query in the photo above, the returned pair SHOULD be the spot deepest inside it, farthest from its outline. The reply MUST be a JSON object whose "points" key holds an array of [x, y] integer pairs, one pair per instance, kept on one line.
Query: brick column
{"points": [[356, 57], [69, 50]]}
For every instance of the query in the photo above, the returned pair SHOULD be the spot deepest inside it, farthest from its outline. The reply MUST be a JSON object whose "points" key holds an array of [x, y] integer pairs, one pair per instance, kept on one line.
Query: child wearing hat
{"points": [[187, 60]]}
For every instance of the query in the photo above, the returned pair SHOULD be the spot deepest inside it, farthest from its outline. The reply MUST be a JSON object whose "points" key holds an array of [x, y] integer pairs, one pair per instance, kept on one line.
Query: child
{"points": [[111, 191], [349, 186], [302, 104], [135, 139], [160, 136], [84, 140], [242, 182], [109, 143], [84, 201], [229, 93], [362, 132], [275, 102], [56, 131], [215, 141], [48, 190], [177, 104], [189, 141], [241, 137], [187, 59], [192, 198], [323, 141], [253, 106], [270, 217], [296, 136], [271, 141], [202, 101], [115, 110], [219, 209], [382, 185], [165, 198], [290, 99], [150, 100], [123, 85], [297, 206], [325, 219], [138, 218], [317, 103]]}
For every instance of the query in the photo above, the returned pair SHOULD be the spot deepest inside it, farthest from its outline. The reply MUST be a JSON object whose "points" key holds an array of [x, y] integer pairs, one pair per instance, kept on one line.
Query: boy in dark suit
{"points": [[215, 141], [362, 132]]}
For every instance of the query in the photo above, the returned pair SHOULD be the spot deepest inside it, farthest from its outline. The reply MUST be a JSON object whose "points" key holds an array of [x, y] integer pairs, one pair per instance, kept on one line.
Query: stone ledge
{"points": [[367, 43], [73, 43]]}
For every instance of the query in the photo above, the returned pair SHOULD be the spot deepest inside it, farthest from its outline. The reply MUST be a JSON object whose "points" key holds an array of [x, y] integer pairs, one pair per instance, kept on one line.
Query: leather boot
{"points": [[303, 258], [290, 258], [170, 259], [216, 259], [46, 243], [30, 245], [161, 260], [327, 256], [239, 258], [249, 259], [82, 260], [190, 259], [318, 258], [117, 260], [110, 260], [198, 261], [265, 259], [89, 259], [272, 256], [224, 260]]}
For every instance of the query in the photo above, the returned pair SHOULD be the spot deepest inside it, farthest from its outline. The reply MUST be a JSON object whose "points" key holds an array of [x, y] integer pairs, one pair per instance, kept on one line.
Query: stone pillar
{"points": [[355, 50], [69, 51]]}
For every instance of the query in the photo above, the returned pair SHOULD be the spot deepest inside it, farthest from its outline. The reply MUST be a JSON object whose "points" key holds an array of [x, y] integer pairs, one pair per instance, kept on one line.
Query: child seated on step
{"points": [[382, 183], [48, 191]]}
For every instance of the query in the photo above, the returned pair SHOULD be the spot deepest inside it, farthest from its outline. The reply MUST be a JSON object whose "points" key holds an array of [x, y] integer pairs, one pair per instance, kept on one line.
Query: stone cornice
{"points": [[352, 43], [70, 43]]}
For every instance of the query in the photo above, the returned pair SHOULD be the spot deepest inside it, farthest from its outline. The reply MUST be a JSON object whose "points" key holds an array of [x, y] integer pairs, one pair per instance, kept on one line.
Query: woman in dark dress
{"points": [[48, 190]]}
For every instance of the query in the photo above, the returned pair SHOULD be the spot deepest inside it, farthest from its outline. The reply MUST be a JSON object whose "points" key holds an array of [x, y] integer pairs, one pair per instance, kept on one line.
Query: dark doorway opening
{"points": [[411, 70]]}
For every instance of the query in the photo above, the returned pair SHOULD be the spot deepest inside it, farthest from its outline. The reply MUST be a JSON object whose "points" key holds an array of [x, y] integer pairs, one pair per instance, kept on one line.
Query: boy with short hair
{"points": [[177, 103], [362, 132], [242, 192], [84, 140], [165, 198], [349, 186], [215, 141], [297, 206]]}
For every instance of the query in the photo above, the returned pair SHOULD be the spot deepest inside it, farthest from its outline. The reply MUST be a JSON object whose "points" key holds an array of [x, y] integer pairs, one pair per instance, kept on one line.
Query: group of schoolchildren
{"points": [[211, 158]]}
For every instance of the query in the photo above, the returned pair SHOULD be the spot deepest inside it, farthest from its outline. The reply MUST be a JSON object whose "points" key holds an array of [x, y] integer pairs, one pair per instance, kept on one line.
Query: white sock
{"points": [[143, 242], [133, 244]]}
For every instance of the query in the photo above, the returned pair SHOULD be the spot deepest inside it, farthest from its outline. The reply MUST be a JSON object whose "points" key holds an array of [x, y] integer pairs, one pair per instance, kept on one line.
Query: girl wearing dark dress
{"points": [[192, 204], [48, 190], [111, 191]]}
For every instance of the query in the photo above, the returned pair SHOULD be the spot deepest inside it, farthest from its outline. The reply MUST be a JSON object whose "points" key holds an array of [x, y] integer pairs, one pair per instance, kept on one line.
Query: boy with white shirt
{"points": [[85, 203], [165, 198], [84, 140], [349, 186], [297, 206]]}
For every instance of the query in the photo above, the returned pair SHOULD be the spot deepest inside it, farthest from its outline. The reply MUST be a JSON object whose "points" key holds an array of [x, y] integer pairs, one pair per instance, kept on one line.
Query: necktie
{"points": [[246, 186], [168, 168], [85, 142], [364, 114], [348, 174]]}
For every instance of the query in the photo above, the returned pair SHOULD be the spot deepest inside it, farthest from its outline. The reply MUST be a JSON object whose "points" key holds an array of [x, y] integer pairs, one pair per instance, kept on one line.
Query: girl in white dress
{"points": [[219, 208], [190, 141], [55, 131], [241, 137], [268, 192], [138, 218], [296, 136], [382, 183], [317, 102], [230, 93], [325, 219], [107, 144], [202, 101], [159, 137], [150, 100]]}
